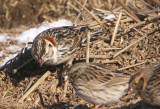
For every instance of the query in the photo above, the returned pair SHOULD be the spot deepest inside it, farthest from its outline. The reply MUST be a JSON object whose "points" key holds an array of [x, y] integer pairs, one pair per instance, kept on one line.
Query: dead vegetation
{"points": [[128, 42]]}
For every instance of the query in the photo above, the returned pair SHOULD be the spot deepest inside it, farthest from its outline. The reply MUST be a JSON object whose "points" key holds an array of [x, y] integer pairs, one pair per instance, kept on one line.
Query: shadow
{"points": [[60, 105], [82, 106], [63, 105], [23, 65], [139, 105]]}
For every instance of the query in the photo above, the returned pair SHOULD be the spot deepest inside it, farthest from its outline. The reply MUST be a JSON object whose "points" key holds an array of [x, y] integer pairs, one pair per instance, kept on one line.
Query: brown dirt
{"points": [[14, 13], [18, 15]]}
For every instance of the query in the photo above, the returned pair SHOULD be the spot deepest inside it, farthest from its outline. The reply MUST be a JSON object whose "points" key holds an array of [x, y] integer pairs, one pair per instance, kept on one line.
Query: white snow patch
{"points": [[1, 53], [4, 38], [33, 32], [11, 56], [14, 48], [62, 22], [111, 16]]}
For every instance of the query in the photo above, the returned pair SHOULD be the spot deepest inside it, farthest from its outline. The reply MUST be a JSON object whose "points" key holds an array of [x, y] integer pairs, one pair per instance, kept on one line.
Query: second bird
{"points": [[97, 84], [146, 83]]}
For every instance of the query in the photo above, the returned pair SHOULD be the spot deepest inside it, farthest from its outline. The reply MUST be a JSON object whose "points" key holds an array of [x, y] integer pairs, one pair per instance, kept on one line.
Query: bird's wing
{"points": [[99, 75]]}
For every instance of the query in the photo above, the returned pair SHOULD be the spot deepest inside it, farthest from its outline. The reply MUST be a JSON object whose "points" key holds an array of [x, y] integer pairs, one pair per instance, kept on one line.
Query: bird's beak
{"points": [[41, 63]]}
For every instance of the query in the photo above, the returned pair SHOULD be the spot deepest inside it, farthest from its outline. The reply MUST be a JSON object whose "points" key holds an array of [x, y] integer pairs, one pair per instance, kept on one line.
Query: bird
{"points": [[146, 83], [55, 46], [97, 84]]}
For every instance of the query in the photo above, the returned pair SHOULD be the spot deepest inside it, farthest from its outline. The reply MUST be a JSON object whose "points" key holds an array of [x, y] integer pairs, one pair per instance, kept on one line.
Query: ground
{"points": [[17, 77]]}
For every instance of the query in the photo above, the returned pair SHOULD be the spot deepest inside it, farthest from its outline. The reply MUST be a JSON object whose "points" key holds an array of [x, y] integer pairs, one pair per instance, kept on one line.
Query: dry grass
{"points": [[135, 45]]}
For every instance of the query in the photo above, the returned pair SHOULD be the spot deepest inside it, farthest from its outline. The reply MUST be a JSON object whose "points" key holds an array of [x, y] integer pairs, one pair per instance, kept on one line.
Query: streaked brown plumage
{"points": [[57, 45], [146, 83], [97, 84]]}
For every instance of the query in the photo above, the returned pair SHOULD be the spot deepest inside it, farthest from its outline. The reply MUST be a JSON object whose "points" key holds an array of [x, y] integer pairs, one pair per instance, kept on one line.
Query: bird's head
{"points": [[44, 49], [139, 80]]}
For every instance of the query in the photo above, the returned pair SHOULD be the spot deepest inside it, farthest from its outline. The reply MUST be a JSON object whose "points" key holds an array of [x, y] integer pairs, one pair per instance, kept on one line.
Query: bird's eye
{"points": [[140, 84], [50, 45], [135, 84]]}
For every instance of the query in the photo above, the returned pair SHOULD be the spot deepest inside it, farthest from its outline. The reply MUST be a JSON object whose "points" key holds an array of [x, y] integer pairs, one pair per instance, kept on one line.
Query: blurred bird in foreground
{"points": [[97, 84]]}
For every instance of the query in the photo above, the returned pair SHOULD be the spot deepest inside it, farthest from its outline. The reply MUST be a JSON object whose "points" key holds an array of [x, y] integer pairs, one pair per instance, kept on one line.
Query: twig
{"points": [[75, 8], [116, 28], [91, 14], [108, 49], [143, 22], [127, 67], [128, 10], [139, 32], [95, 26], [99, 56], [36, 101], [157, 2], [150, 11], [65, 87], [107, 61], [147, 4], [80, 12], [127, 47], [103, 11], [126, 20], [111, 11], [137, 24], [88, 46], [15, 70], [28, 86], [35, 86], [130, 15]]}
